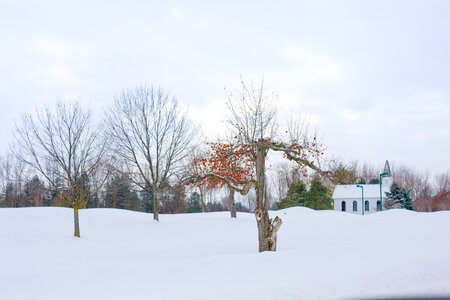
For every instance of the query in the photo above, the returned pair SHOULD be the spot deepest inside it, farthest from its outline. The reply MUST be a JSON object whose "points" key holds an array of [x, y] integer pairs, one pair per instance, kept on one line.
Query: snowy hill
{"points": [[126, 255]]}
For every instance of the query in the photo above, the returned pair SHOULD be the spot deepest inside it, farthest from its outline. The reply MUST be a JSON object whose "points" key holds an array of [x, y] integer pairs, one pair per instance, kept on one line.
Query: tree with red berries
{"points": [[227, 164], [252, 120]]}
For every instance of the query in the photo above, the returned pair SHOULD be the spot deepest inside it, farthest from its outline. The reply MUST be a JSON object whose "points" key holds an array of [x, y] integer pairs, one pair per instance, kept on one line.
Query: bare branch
{"points": [[151, 136]]}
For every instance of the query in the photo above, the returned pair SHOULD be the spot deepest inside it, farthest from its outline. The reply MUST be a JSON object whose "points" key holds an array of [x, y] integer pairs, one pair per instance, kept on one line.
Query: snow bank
{"points": [[126, 255]]}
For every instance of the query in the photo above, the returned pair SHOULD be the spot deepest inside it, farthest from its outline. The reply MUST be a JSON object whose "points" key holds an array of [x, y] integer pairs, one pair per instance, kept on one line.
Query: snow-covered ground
{"points": [[126, 255]]}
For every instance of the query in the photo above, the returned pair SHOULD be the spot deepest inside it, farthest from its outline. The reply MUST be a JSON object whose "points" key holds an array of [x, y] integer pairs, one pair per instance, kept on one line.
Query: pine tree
{"points": [[34, 193], [295, 195], [193, 205], [374, 181], [398, 198], [318, 196], [147, 199], [58, 193], [241, 207], [119, 193]]}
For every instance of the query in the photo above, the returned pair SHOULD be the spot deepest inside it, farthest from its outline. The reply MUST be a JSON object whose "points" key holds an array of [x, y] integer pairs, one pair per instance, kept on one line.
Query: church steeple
{"points": [[387, 168]]}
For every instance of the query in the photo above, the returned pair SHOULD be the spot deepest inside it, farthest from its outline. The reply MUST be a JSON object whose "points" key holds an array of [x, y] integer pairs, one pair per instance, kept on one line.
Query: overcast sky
{"points": [[372, 76]]}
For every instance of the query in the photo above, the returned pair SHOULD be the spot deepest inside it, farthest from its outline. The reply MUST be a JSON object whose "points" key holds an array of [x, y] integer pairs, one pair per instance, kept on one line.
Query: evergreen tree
{"points": [[241, 207], [34, 193], [119, 194], [59, 194], [295, 195], [215, 206], [374, 181], [397, 198], [193, 205], [147, 199], [318, 196]]}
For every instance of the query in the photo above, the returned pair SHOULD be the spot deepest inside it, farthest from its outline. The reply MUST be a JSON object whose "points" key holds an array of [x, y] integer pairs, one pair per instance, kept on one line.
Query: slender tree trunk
{"points": [[267, 229], [155, 206], [202, 200], [76, 222], [232, 204]]}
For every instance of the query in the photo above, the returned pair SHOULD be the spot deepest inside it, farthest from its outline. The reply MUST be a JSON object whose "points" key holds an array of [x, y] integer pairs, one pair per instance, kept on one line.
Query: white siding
{"points": [[349, 205]]}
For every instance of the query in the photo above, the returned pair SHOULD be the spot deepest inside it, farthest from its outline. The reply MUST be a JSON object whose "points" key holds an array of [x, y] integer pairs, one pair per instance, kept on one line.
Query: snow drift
{"points": [[126, 255]]}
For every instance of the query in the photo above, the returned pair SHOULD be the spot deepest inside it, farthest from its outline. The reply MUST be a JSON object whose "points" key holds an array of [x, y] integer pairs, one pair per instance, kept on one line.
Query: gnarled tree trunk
{"points": [[267, 229]]}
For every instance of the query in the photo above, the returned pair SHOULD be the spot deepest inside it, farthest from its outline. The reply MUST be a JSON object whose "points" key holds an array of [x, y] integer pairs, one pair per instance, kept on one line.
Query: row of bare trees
{"points": [[19, 186], [144, 135], [146, 141]]}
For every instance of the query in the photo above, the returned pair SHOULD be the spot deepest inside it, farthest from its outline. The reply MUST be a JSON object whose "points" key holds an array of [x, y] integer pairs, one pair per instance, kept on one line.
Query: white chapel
{"points": [[363, 198]]}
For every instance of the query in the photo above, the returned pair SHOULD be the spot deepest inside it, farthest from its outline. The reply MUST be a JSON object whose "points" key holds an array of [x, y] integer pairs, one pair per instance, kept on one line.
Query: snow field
{"points": [[126, 255]]}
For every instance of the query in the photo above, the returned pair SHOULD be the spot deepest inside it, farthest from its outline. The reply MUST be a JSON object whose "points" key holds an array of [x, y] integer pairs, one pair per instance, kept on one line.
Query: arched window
{"points": [[343, 206], [355, 206], [366, 205], [378, 205]]}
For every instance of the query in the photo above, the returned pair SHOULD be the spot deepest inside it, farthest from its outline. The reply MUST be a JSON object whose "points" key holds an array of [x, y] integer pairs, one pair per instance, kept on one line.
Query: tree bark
{"points": [[155, 206], [202, 200], [267, 229], [76, 222], [232, 204]]}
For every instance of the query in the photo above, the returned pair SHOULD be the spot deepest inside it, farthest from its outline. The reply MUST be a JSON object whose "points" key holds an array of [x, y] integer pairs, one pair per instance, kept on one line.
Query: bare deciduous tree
{"points": [[12, 176], [443, 182], [5, 176], [366, 173], [341, 172], [64, 137], [285, 174], [152, 136], [194, 167]]}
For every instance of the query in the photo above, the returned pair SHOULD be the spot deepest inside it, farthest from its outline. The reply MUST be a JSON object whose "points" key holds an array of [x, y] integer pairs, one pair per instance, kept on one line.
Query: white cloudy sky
{"points": [[373, 76]]}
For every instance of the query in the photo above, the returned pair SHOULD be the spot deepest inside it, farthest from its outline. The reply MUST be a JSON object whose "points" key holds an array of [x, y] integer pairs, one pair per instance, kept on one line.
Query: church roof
{"points": [[387, 168], [352, 191], [344, 191]]}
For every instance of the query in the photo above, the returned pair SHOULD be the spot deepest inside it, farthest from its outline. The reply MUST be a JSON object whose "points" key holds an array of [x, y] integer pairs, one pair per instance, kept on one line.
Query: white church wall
{"points": [[349, 205]]}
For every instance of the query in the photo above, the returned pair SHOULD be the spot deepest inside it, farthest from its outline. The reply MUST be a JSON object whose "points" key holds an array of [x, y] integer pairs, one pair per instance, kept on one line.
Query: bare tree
{"points": [[368, 173], [194, 167], [284, 175], [251, 201], [11, 176], [65, 137], [151, 136], [252, 114], [5, 176], [443, 182]]}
